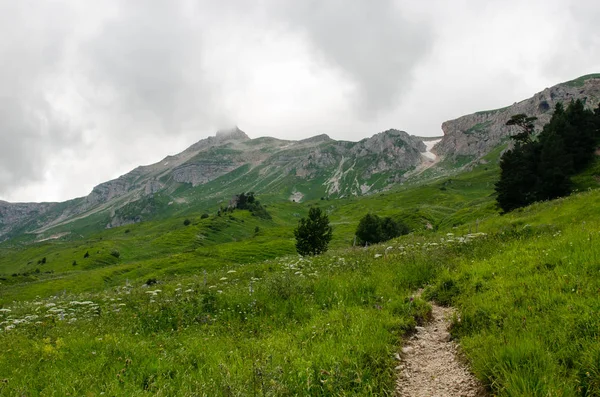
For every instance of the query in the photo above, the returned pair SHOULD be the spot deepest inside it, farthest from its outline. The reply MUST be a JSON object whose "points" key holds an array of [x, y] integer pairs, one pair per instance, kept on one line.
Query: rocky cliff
{"points": [[476, 134]]}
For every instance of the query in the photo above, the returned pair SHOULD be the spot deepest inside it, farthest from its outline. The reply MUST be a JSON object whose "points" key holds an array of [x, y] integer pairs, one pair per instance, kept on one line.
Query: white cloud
{"points": [[93, 89]]}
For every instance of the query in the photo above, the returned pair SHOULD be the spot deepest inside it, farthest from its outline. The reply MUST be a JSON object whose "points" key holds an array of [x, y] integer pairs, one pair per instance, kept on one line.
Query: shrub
{"points": [[115, 253], [204, 216], [372, 229], [187, 222]]}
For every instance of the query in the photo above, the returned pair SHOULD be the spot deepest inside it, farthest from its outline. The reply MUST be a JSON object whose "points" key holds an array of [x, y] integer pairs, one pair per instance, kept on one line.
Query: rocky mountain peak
{"points": [[231, 134]]}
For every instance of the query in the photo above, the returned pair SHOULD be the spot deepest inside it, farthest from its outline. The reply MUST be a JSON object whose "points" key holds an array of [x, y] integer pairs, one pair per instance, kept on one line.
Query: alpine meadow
{"points": [[277, 267]]}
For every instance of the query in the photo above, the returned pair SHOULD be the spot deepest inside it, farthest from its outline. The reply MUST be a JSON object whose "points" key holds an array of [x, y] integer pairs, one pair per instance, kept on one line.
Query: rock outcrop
{"points": [[476, 134]]}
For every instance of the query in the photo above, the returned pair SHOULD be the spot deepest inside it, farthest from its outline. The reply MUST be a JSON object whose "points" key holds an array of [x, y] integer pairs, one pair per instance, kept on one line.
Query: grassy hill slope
{"points": [[235, 312]]}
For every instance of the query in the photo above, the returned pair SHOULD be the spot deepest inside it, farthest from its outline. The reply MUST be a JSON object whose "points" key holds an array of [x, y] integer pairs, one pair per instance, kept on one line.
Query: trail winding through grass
{"points": [[429, 364]]}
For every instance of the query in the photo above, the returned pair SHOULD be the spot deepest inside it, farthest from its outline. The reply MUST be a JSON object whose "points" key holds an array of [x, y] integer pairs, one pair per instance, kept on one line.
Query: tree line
{"points": [[540, 167]]}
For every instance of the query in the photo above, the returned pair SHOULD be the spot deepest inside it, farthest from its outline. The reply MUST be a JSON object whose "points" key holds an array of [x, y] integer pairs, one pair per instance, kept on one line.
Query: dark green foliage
{"points": [[86, 255], [526, 125], [204, 216], [247, 201], [536, 170], [314, 233], [517, 177], [115, 253], [368, 230], [187, 222], [372, 229], [74, 263]]}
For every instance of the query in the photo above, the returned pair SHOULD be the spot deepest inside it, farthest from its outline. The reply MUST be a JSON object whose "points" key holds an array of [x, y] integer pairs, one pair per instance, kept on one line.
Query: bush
{"points": [[86, 255], [115, 253], [204, 216], [187, 222], [373, 229]]}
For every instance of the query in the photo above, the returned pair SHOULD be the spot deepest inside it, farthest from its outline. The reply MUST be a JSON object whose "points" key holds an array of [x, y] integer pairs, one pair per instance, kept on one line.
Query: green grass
{"points": [[238, 313], [528, 300], [478, 128], [579, 82], [323, 326]]}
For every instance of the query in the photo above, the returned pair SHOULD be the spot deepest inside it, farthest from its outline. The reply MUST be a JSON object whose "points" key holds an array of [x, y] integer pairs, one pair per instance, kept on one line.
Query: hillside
{"points": [[214, 169], [219, 308]]}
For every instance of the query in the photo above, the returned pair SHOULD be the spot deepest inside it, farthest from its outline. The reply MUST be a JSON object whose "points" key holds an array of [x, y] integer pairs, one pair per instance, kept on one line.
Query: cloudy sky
{"points": [[91, 89]]}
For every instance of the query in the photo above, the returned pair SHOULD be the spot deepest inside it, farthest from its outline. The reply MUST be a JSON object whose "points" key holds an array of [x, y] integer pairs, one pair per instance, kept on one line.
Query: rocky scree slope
{"points": [[229, 163], [477, 134]]}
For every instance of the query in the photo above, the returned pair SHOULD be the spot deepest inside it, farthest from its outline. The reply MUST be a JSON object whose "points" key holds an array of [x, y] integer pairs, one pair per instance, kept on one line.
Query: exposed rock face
{"points": [[202, 172], [12, 214], [476, 134]]}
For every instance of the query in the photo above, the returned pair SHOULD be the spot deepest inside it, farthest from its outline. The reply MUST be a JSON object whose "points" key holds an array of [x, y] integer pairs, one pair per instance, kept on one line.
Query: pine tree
{"points": [[314, 233], [541, 169], [518, 178]]}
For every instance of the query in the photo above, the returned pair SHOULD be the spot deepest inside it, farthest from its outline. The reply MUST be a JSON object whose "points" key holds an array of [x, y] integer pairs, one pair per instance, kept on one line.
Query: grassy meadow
{"points": [[223, 306]]}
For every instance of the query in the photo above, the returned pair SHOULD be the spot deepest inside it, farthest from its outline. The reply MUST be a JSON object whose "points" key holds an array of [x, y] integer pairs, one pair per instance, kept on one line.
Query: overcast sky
{"points": [[91, 89]]}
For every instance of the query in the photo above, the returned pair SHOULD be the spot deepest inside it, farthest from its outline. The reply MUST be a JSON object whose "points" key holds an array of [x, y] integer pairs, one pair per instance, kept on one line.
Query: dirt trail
{"points": [[429, 366]]}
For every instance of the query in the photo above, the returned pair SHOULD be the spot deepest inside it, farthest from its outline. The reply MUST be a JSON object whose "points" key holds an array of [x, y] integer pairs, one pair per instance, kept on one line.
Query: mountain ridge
{"points": [[476, 134], [230, 162], [319, 163]]}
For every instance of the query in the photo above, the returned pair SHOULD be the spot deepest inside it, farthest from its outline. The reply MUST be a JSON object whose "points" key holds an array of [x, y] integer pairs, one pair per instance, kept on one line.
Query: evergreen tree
{"points": [[518, 178], [541, 169], [314, 233]]}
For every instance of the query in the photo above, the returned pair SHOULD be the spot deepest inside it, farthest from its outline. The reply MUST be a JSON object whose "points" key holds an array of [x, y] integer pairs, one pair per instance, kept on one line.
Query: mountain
{"points": [[214, 169], [477, 134], [230, 162]]}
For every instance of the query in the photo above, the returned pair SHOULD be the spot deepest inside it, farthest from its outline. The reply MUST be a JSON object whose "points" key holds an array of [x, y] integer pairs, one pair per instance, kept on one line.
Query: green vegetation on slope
{"points": [[232, 314]]}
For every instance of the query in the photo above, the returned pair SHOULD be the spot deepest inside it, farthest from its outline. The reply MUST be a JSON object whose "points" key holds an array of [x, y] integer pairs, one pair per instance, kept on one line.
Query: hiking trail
{"points": [[429, 365]]}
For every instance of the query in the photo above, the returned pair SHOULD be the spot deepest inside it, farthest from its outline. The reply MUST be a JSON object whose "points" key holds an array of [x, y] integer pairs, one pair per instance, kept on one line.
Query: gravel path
{"points": [[429, 366]]}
